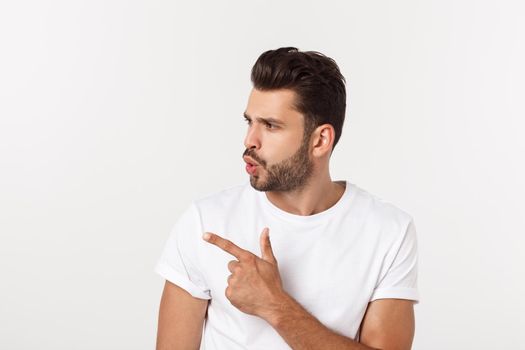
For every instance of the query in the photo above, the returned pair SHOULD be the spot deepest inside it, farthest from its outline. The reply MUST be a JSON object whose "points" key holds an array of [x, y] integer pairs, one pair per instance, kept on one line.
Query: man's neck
{"points": [[309, 200]]}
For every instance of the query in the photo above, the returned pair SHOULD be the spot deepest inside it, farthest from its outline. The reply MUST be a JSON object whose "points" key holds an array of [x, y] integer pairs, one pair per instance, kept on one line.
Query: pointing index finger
{"points": [[226, 245]]}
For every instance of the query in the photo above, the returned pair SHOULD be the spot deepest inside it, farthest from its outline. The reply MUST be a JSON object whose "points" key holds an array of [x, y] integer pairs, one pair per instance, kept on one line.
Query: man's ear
{"points": [[323, 138]]}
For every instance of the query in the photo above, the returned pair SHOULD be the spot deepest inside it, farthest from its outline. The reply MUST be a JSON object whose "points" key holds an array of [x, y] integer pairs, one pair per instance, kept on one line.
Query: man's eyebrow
{"points": [[265, 120]]}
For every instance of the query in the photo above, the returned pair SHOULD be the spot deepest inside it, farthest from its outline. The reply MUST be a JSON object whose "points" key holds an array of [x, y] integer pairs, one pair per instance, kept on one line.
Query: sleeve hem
{"points": [[180, 280], [396, 293]]}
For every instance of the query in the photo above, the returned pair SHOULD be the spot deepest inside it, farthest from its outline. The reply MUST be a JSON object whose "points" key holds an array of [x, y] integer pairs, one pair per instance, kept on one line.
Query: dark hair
{"points": [[315, 79]]}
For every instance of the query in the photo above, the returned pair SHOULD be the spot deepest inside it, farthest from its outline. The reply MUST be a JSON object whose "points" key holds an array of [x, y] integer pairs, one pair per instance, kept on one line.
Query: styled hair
{"points": [[316, 80]]}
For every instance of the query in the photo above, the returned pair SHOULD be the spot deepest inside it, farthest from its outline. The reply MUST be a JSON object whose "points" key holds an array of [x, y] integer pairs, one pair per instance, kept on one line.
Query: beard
{"points": [[290, 174]]}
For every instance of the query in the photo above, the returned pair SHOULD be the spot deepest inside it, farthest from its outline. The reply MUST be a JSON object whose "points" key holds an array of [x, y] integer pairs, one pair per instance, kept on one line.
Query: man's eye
{"points": [[270, 126], [248, 121]]}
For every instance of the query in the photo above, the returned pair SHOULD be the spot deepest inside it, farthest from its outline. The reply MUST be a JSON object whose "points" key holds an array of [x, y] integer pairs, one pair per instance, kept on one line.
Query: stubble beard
{"points": [[290, 174]]}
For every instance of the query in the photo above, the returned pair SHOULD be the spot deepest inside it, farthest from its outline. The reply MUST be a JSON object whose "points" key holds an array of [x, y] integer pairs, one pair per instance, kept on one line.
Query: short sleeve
{"points": [[399, 281], [178, 262]]}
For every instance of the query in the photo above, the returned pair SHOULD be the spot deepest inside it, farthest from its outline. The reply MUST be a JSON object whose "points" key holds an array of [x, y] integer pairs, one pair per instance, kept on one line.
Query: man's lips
{"points": [[251, 169], [250, 161], [251, 165]]}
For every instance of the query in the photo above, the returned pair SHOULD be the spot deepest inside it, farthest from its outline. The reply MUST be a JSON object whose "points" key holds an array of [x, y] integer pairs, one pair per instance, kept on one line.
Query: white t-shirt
{"points": [[333, 263]]}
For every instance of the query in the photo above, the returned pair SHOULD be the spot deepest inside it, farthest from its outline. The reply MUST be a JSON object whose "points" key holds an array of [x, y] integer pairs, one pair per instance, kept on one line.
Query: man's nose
{"points": [[252, 139]]}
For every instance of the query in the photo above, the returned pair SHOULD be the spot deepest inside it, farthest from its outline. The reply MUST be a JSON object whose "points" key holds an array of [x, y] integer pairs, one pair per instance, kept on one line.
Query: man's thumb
{"points": [[266, 246]]}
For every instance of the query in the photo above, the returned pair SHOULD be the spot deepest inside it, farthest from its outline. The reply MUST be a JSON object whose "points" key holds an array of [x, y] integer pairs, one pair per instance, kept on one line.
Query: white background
{"points": [[116, 114]]}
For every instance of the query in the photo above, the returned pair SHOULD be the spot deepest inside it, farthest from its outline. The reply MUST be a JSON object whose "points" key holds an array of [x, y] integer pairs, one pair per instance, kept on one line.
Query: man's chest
{"points": [[331, 278]]}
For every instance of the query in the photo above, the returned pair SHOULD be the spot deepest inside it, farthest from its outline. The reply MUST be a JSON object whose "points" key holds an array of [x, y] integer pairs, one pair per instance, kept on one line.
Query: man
{"points": [[340, 268]]}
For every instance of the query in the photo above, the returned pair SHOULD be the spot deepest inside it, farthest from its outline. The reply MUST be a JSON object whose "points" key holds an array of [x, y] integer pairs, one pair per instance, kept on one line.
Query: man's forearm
{"points": [[300, 330]]}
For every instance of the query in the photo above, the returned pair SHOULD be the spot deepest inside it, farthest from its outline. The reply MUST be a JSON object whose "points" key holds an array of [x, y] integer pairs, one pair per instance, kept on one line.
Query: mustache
{"points": [[251, 154]]}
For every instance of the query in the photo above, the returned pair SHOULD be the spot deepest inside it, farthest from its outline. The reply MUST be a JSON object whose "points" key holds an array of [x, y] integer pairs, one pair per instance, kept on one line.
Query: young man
{"points": [[290, 259]]}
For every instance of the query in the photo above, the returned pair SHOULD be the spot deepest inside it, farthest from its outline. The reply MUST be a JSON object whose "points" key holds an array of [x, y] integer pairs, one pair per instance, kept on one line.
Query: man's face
{"points": [[275, 141]]}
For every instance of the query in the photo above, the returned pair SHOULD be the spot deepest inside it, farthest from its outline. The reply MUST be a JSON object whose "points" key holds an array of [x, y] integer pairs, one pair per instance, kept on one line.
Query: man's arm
{"points": [[181, 318], [388, 325], [255, 288]]}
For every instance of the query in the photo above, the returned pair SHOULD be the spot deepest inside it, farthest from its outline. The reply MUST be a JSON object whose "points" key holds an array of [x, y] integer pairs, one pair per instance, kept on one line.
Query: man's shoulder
{"points": [[381, 209]]}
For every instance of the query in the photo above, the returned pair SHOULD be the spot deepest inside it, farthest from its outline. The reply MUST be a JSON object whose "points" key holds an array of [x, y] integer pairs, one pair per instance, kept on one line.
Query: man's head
{"points": [[305, 91]]}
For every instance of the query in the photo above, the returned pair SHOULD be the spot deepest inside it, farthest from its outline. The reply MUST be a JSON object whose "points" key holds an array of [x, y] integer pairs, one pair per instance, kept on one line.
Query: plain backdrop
{"points": [[116, 114]]}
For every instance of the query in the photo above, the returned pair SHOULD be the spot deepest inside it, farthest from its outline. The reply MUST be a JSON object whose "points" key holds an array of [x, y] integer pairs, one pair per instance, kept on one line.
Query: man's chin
{"points": [[255, 183]]}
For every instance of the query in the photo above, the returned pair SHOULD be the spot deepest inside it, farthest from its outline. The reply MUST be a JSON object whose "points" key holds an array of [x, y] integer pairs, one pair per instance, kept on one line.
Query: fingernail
{"points": [[206, 236]]}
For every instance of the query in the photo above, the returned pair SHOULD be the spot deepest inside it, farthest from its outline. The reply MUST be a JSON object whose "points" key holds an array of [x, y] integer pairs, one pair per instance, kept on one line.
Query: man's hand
{"points": [[255, 286]]}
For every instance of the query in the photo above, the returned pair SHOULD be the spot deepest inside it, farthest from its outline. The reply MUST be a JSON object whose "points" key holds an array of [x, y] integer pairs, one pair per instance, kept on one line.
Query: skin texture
{"points": [[280, 150], [287, 174], [181, 318], [388, 319], [293, 171]]}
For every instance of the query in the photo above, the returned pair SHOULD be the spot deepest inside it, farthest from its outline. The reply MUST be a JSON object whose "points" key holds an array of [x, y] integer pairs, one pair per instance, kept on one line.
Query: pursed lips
{"points": [[250, 161]]}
